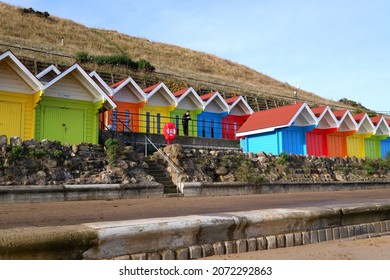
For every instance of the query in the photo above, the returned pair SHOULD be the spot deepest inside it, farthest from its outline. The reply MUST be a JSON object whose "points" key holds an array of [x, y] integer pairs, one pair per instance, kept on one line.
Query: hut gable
{"points": [[381, 126], [238, 106], [214, 103], [346, 120], [48, 74], [188, 99], [160, 95], [128, 90], [15, 77], [326, 118], [75, 84], [364, 123]]}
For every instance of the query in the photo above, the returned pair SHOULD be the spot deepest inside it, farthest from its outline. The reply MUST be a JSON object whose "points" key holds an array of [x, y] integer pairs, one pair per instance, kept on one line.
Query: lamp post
{"points": [[296, 94]]}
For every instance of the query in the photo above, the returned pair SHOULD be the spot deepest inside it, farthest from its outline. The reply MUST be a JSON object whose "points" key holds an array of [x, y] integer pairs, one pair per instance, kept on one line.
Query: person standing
{"points": [[185, 119]]}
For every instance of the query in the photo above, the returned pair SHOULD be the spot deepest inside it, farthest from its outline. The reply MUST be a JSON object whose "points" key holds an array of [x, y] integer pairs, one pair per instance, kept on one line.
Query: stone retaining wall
{"points": [[266, 243]]}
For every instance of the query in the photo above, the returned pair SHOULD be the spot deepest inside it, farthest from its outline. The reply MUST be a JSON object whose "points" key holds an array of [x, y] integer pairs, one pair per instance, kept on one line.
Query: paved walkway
{"points": [[78, 212]]}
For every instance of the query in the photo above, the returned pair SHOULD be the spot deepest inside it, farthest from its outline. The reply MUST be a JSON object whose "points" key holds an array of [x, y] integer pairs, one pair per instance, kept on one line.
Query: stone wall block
{"points": [[242, 246], [207, 250], [168, 255], [195, 252], [252, 244], [219, 248], [271, 242], [182, 254]]}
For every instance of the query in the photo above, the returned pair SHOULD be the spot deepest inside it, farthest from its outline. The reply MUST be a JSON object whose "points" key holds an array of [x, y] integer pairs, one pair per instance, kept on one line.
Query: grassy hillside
{"points": [[197, 69]]}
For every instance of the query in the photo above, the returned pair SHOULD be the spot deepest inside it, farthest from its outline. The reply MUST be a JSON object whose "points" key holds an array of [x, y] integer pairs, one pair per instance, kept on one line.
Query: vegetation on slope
{"points": [[65, 37]]}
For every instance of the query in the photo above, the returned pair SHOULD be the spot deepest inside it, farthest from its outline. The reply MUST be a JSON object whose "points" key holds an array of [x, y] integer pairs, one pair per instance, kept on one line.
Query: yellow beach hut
{"points": [[355, 142], [156, 112], [20, 91]]}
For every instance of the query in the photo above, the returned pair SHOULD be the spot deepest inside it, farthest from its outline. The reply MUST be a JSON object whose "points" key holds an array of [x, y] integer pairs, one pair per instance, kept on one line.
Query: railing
{"points": [[154, 123], [177, 169], [119, 131]]}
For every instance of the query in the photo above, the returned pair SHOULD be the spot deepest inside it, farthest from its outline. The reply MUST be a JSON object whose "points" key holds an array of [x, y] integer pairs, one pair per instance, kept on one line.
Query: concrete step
{"points": [[161, 177]]}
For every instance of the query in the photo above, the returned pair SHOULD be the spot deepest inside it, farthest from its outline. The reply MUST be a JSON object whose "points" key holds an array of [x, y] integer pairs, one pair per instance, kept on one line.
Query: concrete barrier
{"points": [[23, 194], [237, 188], [197, 236]]}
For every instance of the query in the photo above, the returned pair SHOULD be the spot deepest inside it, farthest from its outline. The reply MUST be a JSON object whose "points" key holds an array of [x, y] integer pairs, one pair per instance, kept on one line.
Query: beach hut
{"points": [[317, 139], [48, 74], [278, 130], [210, 119], [385, 143], [156, 112], [355, 142], [187, 100], [239, 112], [69, 108], [379, 141], [129, 98], [337, 140], [20, 92]]}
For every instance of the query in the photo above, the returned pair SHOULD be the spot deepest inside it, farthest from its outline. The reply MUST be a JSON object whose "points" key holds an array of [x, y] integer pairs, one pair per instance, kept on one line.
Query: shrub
{"points": [[16, 152], [115, 60], [57, 153], [112, 149]]}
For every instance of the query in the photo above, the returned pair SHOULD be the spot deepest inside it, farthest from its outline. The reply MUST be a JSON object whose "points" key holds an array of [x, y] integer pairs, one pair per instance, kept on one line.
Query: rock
{"points": [[50, 163], [3, 140], [75, 149], [221, 170], [15, 141], [227, 178]]}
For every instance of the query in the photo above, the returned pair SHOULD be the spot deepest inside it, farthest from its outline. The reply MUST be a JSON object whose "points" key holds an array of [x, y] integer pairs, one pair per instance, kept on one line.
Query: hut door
{"points": [[385, 147], [64, 124], [11, 119], [292, 141]]}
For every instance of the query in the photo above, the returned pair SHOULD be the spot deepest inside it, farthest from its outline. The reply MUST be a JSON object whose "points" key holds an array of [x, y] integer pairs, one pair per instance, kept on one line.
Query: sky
{"points": [[334, 48]]}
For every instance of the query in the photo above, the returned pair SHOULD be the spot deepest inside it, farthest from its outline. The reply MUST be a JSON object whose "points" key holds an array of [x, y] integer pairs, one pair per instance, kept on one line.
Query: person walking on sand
{"points": [[185, 119]]}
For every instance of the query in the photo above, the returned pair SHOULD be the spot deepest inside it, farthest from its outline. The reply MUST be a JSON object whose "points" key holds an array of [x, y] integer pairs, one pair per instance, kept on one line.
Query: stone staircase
{"points": [[161, 176]]}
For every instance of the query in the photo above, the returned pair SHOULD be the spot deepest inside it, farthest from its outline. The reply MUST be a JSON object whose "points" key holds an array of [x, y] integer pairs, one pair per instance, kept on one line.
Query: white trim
{"points": [[240, 98], [47, 70], [304, 106], [326, 110], [384, 122], [366, 117], [348, 114], [94, 74], [215, 95], [259, 131], [189, 90], [136, 86], [157, 88]]}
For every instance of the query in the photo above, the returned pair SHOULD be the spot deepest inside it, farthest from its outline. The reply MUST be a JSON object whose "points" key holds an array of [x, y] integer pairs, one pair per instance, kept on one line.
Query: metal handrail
{"points": [[165, 156]]}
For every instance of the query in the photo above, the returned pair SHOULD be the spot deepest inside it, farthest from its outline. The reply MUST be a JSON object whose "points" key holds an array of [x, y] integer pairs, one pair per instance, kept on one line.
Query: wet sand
{"points": [[372, 248]]}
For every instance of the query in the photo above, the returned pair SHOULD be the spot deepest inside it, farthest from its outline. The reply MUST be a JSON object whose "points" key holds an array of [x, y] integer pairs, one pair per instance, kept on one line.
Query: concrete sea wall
{"points": [[192, 237]]}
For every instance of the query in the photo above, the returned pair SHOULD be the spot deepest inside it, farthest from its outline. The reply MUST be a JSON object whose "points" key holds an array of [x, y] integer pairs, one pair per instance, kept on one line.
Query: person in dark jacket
{"points": [[185, 119]]}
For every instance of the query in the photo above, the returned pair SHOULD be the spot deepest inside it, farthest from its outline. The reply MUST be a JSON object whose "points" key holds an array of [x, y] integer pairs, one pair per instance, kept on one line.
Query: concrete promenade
{"points": [[188, 227]]}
